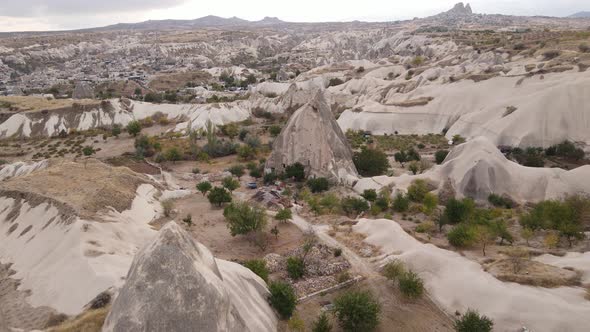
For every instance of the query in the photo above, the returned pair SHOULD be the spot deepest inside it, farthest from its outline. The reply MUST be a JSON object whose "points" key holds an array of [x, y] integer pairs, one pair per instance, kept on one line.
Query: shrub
{"points": [[116, 130], [500, 201], [357, 311], [461, 236], [425, 227], [370, 195], [457, 211], [337, 252], [551, 54], [430, 202], [246, 152], [188, 220], [393, 270], [146, 146], [371, 162], [417, 191], [322, 324], [167, 205], [353, 205], [204, 187], [440, 156], [256, 173], [411, 285], [284, 215], [414, 167], [237, 170], [230, 183], [401, 203], [133, 128], [88, 151], [318, 185], [243, 218], [258, 266], [295, 267], [471, 321], [282, 298], [274, 130], [173, 154], [196, 170], [335, 81], [295, 172], [219, 195]]}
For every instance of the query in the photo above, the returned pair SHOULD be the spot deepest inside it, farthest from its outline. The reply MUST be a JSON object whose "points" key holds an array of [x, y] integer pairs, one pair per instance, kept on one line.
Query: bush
{"points": [[461, 236], [500, 201], [204, 187], [243, 218], [88, 151], [230, 183], [167, 206], [337, 252], [352, 205], [284, 215], [258, 266], [219, 195], [357, 311], [411, 285], [256, 173], [173, 154], [414, 167], [295, 267], [282, 298], [133, 128], [246, 152], [188, 220], [430, 202], [116, 130], [401, 202], [370, 195], [457, 211], [274, 130], [318, 185], [371, 162], [417, 191], [425, 227], [393, 270], [237, 170], [335, 82], [471, 321], [295, 172], [322, 324], [146, 146], [440, 156]]}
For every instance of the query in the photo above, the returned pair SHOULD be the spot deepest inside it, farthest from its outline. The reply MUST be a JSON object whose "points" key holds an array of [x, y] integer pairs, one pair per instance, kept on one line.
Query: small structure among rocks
{"points": [[313, 138]]}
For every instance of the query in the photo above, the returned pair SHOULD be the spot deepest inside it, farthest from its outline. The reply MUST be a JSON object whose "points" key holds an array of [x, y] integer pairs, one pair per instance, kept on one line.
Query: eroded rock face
{"points": [[83, 90], [175, 284], [313, 138]]}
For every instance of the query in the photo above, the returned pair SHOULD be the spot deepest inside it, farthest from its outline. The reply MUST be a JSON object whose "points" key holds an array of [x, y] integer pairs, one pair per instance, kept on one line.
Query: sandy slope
{"points": [[457, 283]]}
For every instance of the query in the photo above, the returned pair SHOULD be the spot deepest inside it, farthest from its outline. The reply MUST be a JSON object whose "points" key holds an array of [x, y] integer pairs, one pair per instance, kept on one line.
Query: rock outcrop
{"points": [[313, 138], [83, 90], [175, 284]]}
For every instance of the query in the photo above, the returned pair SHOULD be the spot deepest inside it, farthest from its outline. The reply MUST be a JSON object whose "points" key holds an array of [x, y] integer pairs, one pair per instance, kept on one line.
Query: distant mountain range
{"points": [[580, 15], [203, 22]]}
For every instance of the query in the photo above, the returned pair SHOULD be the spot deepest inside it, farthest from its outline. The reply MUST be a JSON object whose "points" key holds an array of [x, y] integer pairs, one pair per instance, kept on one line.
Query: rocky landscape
{"points": [[228, 175]]}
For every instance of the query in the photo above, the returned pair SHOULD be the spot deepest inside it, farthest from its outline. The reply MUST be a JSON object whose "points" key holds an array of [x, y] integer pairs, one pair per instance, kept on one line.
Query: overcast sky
{"points": [[23, 15]]}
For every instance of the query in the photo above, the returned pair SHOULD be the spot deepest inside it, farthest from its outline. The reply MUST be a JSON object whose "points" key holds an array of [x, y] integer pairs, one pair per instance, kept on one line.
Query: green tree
{"points": [[219, 195], [401, 202], [471, 321], [243, 218], [414, 167], [370, 162], [231, 130], [461, 236], [295, 267], [282, 298], [88, 151], [322, 324], [357, 311], [204, 187], [318, 185], [284, 214], [418, 190], [230, 183], [370, 195], [296, 172], [353, 205], [430, 202], [246, 152], [274, 130], [258, 266], [237, 170], [457, 211], [440, 156], [134, 128], [116, 130], [411, 285], [173, 154]]}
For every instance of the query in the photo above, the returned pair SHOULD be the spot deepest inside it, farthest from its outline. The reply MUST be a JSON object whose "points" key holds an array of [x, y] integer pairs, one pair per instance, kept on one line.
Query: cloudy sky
{"points": [[24, 15]]}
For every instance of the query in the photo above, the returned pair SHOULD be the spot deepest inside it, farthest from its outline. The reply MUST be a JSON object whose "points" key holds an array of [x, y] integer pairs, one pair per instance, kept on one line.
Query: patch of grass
{"points": [[90, 321]]}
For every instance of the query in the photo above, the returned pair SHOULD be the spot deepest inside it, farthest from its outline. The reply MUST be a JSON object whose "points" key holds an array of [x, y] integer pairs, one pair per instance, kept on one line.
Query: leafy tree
{"points": [[237, 170], [173, 154], [295, 267], [457, 211], [282, 298], [204, 187], [219, 195], [322, 324], [484, 235], [370, 162], [88, 151], [414, 167], [401, 157], [246, 152], [258, 266], [274, 130], [413, 155], [471, 321], [357, 311], [461, 236], [401, 202], [284, 214], [151, 97], [353, 205], [370, 195], [430, 202], [231, 130], [230, 183], [440, 156], [411, 285], [243, 218], [296, 172], [146, 146], [134, 128], [527, 234], [417, 190], [318, 185], [500, 228], [500, 201]]}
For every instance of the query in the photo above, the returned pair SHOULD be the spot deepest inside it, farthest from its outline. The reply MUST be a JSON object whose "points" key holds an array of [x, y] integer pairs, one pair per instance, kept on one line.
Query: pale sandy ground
{"points": [[457, 283]]}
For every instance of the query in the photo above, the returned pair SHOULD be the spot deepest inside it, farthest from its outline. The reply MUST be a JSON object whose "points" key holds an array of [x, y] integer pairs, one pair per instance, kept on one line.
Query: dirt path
{"points": [[398, 313]]}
